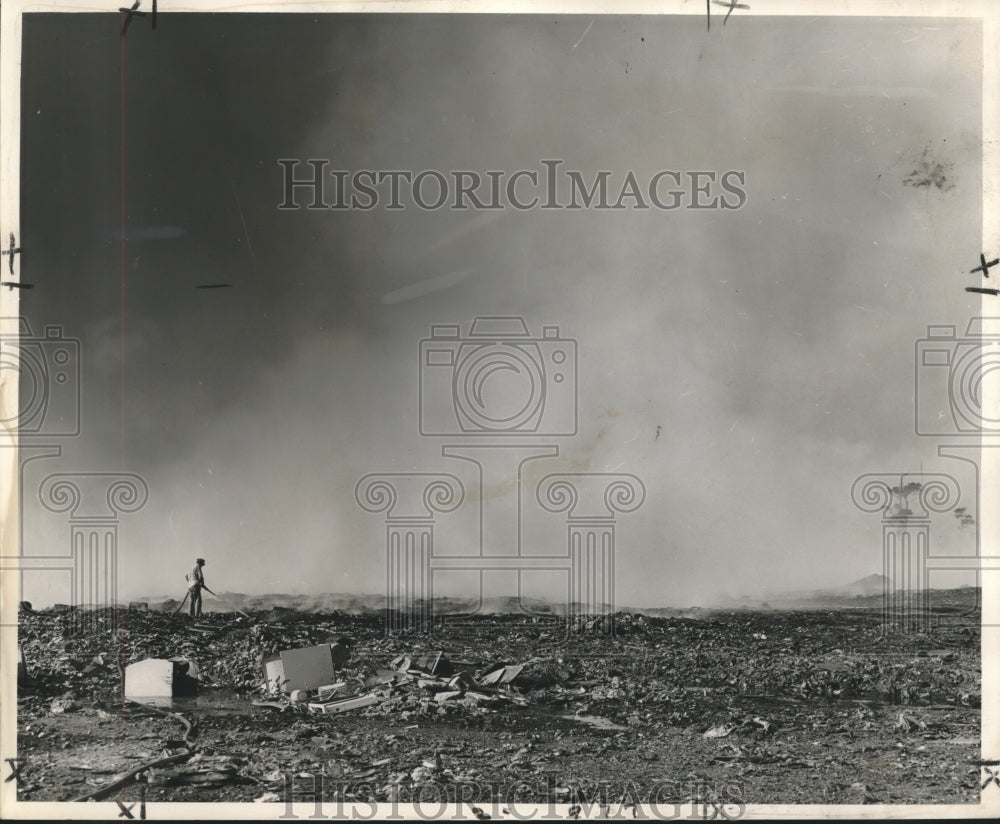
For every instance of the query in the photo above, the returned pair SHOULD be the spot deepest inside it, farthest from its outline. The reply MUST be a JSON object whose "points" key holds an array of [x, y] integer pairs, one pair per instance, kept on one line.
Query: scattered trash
{"points": [[907, 723], [185, 667], [433, 664], [275, 705], [66, 703], [345, 704], [119, 783], [501, 675], [595, 721], [521, 696], [329, 690], [383, 676]]}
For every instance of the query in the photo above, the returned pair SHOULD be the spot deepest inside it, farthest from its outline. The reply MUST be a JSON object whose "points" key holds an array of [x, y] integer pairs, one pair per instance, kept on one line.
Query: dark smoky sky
{"points": [[771, 347]]}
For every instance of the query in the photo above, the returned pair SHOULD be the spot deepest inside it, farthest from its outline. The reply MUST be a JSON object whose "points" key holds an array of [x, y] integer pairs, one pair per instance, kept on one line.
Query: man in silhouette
{"points": [[196, 580]]}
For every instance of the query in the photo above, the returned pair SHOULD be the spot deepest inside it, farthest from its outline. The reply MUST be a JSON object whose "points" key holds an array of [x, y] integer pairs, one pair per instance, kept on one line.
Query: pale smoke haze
{"points": [[746, 364]]}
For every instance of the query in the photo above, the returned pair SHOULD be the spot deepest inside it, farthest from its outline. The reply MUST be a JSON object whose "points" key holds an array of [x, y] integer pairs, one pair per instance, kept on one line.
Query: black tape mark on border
{"points": [[732, 5], [983, 266], [16, 765], [12, 250]]}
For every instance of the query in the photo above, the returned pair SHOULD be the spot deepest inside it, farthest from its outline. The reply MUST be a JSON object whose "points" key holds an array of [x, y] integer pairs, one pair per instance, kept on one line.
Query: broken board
{"points": [[355, 702]]}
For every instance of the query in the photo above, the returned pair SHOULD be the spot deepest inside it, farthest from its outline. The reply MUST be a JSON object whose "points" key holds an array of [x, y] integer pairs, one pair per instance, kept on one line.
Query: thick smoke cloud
{"points": [[748, 365]]}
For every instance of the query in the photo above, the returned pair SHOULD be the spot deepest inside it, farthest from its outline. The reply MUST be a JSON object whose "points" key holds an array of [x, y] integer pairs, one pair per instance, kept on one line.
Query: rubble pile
{"points": [[658, 660], [330, 692]]}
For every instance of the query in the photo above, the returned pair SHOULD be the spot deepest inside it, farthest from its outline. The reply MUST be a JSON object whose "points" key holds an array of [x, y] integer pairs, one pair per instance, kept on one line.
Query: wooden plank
{"points": [[345, 704]]}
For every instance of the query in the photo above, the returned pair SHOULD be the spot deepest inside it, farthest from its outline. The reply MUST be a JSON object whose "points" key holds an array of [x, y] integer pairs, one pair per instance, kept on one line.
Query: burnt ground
{"points": [[799, 707]]}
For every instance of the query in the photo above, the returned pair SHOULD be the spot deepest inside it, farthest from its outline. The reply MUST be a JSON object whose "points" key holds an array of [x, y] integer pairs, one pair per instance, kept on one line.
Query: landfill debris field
{"points": [[753, 706]]}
